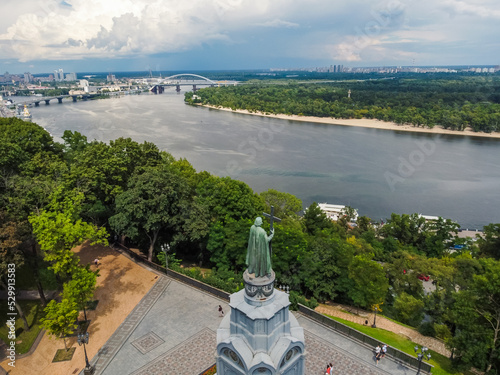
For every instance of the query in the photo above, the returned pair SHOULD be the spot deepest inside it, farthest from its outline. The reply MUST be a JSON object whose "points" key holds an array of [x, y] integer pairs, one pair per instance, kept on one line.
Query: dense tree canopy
{"points": [[454, 103]]}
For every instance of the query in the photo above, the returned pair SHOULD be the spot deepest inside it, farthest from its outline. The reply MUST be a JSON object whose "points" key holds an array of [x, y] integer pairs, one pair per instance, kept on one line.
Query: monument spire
{"points": [[259, 336]]}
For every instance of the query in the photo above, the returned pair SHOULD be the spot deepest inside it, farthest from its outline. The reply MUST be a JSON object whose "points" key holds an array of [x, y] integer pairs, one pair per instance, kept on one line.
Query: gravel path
{"points": [[336, 310]]}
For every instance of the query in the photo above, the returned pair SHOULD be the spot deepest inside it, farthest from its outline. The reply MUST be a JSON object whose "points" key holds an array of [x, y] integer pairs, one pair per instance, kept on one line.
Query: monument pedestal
{"points": [[259, 336]]}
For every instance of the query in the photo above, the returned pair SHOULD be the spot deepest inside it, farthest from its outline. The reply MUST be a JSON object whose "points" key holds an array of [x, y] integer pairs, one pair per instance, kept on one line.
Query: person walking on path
{"points": [[221, 312], [377, 353], [96, 262], [384, 350]]}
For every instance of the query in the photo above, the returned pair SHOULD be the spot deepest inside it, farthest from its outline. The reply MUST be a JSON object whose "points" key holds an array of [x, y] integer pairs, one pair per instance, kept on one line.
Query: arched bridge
{"points": [[192, 75], [160, 87]]}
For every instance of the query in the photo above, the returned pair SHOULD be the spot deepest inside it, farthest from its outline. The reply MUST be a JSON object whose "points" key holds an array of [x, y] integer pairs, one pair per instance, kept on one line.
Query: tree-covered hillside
{"points": [[455, 104]]}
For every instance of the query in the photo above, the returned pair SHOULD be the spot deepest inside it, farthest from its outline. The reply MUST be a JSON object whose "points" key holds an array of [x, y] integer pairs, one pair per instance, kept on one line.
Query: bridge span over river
{"points": [[157, 88], [160, 87]]}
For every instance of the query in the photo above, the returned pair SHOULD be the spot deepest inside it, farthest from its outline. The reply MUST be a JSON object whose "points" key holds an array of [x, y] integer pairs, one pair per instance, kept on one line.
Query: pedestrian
{"points": [[328, 369], [377, 353], [96, 261], [221, 312], [384, 350]]}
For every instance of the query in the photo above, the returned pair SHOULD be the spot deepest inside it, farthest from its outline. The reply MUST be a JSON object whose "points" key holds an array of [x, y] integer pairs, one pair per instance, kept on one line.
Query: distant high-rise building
{"points": [[71, 77], [58, 75], [111, 78], [28, 77]]}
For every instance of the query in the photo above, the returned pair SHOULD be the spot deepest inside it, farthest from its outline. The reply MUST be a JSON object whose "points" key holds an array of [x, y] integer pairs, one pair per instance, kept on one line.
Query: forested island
{"points": [[54, 196], [454, 102]]}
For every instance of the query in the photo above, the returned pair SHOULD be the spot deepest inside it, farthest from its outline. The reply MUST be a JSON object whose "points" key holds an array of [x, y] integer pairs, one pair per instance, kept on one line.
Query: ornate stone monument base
{"points": [[259, 336]]}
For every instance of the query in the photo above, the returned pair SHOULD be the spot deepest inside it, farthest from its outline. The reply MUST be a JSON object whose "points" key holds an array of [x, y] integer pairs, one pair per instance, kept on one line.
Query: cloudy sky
{"points": [[118, 35]]}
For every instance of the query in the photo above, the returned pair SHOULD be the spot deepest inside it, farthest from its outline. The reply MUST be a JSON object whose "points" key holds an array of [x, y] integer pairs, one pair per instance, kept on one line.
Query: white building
{"points": [[335, 211]]}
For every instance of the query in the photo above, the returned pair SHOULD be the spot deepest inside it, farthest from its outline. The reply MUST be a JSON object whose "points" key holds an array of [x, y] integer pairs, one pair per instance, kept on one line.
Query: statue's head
{"points": [[258, 222]]}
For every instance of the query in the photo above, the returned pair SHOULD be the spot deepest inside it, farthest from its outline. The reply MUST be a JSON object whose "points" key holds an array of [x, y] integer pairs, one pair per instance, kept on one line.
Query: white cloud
{"points": [[344, 31], [277, 23], [95, 28], [483, 9]]}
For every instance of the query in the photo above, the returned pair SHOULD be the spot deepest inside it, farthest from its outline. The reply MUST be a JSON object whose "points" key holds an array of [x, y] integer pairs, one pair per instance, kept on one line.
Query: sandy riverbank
{"points": [[365, 123]]}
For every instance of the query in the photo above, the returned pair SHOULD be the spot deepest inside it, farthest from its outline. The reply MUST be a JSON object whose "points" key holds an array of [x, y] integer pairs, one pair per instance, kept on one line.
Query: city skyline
{"points": [[130, 35]]}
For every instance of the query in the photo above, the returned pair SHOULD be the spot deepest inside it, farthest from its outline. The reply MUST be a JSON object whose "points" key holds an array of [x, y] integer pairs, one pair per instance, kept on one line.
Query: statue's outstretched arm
{"points": [[269, 238]]}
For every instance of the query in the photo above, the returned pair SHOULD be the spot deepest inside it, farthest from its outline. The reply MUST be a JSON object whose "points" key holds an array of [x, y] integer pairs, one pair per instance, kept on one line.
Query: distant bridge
{"points": [[160, 87], [192, 75], [47, 99]]}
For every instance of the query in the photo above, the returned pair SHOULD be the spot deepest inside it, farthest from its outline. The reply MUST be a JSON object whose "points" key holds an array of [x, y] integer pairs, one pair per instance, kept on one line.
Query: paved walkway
{"points": [[412, 334], [172, 331]]}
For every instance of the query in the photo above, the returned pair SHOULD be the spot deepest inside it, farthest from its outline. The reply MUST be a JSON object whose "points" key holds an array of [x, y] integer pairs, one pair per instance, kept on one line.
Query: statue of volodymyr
{"points": [[258, 257]]}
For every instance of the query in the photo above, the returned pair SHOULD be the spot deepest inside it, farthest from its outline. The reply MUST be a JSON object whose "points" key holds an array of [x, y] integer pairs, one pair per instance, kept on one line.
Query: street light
{"points": [[374, 325], [84, 339], [421, 356], [165, 248]]}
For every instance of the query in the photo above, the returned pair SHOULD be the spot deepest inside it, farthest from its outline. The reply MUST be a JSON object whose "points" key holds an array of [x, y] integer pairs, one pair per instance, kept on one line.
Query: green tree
{"points": [[194, 227], [409, 309], [81, 287], [320, 266], [489, 245], [60, 230], [228, 243], [151, 204], [10, 254], [285, 204], [370, 284], [442, 233], [476, 314], [289, 252], [26, 139], [226, 198], [60, 318], [315, 219], [407, 229]]}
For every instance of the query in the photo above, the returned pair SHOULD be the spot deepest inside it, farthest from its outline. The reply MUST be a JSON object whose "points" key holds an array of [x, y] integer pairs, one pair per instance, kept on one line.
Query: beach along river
{"points": [[376, 171]]}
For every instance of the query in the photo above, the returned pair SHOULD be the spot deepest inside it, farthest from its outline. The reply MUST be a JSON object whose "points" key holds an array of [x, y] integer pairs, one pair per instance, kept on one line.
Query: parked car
{"points": [[423, 277]]}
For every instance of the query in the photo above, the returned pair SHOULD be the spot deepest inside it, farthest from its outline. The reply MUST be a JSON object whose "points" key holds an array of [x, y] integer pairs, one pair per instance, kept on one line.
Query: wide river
{"points": [[376, 171]]}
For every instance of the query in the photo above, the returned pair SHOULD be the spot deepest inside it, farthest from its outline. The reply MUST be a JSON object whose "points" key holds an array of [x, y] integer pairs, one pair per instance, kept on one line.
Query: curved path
{"points": [[336, 310]]}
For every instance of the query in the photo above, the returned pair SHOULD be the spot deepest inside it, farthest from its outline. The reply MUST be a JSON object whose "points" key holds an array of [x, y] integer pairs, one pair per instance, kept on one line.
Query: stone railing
{"points": [[175, 275]]}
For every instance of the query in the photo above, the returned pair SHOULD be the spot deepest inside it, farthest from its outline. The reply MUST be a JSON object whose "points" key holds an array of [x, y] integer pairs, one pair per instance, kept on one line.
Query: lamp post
{"points": [[165, 248], [421, 356], [374, 325], [84, 339]]}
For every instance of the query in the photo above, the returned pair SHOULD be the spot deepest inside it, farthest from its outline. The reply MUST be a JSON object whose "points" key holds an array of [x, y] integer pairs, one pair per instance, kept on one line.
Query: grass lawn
{"points": [[442, 364], [33, 312], [63, 355]]}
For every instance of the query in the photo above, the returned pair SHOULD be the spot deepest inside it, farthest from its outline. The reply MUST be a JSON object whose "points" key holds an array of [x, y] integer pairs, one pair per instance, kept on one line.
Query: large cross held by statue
{"points": [[271, 218]]}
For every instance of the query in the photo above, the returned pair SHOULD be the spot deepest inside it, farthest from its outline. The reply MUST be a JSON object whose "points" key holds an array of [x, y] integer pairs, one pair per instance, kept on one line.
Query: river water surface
{"points": [[376, 171]]}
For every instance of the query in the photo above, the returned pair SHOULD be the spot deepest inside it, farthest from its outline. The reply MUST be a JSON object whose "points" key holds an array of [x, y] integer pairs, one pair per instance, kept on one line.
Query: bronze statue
{"points": [[258, 255]]}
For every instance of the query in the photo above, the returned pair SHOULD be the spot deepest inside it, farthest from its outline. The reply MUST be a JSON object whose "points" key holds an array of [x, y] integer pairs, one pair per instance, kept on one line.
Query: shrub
{"points": [[442, 331], [427, 329], [296, 298]]}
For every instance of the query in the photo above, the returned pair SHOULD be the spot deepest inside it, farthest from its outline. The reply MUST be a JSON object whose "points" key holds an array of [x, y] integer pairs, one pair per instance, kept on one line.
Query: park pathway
{"points": [[339, 311]]}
